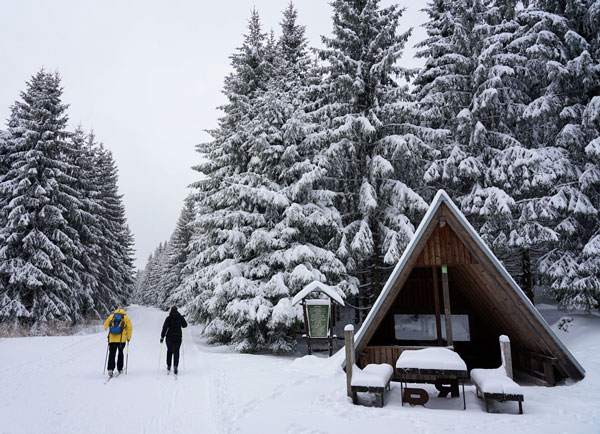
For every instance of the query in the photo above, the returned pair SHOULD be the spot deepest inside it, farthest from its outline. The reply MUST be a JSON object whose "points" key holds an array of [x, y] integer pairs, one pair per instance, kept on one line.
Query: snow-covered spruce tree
{"points": [[585, 291], [141, 283], [156, 275], [150, 286], [443, 87], [444, 91], [177, 252], [521, 164], [497, 104], [492, 178], [567, 110], [521, 176], [4, 298], [4, 150], [294, 250], [115, 241], [234, 202], [251, 252], [40, 249], [82, 171], [541, 170], [371, 167], [537, 89], [587, 69]]}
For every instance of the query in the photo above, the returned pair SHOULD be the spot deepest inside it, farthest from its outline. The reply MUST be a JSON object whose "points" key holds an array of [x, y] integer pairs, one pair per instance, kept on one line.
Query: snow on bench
{"points": [[372, 379], [372, 375], [434, 358], [495, 383]]}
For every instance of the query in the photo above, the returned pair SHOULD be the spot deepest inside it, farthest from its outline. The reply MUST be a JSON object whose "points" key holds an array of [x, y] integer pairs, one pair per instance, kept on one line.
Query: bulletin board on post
{"points": [[318, 322], [319, 313]]}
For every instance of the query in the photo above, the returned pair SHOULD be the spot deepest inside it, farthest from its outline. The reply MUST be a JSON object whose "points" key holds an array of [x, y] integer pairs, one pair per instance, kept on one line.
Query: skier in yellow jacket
{"points": [[119, 332]]}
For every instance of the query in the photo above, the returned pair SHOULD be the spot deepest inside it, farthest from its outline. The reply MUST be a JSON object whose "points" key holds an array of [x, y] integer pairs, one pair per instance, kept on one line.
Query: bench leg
{"points": [[354, 397], [401, 393], [487, 405], [520, 407], [380, 399]]}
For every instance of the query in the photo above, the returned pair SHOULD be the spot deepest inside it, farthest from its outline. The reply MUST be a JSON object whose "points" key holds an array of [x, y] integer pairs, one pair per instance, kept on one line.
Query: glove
{"points": [[161, 340]]}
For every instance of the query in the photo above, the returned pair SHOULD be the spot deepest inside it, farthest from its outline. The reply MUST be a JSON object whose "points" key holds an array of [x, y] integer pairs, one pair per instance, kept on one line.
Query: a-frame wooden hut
{"points": [[448, 272]]}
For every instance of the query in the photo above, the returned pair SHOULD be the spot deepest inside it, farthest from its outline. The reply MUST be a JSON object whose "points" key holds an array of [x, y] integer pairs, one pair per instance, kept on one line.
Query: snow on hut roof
{"points": [[331, 291]]}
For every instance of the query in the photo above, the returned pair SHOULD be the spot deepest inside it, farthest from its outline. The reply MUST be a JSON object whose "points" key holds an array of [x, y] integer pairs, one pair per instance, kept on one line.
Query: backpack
{"points": [[117, 324]]}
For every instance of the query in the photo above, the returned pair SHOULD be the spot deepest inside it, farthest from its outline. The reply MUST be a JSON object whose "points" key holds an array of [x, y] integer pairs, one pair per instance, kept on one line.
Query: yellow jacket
{"points": [[126, 334]]}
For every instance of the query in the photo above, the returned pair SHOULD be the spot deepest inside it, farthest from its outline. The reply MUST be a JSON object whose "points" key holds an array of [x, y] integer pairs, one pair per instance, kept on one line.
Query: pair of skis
{"points": [[111, 377], [118, 373]]}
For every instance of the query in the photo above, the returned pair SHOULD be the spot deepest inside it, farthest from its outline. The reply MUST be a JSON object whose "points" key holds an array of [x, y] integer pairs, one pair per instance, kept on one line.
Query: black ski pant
{"points": [[113, 347], [173, 351]]}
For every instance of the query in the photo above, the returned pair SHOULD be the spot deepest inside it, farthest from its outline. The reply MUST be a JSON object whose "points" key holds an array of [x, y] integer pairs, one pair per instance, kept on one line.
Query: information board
{"points": [[318, 318]]}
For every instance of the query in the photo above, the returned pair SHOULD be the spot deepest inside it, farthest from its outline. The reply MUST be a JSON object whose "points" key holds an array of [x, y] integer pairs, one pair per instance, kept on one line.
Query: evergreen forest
{"points": [[324, 161]]}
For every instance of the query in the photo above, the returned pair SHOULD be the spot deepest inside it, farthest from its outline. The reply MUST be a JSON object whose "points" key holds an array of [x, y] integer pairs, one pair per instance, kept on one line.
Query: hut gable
{"points": [[446, 251], [444, 247]]}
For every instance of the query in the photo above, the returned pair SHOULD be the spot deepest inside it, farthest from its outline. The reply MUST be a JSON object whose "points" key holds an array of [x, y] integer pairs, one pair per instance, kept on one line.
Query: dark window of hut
{"points": [[422, 327]]}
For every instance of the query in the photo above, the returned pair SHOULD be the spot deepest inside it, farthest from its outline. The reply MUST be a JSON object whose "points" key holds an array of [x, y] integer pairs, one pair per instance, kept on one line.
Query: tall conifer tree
{"points": [[236, 198], [39, 257], [370, 167], [178, 250]]}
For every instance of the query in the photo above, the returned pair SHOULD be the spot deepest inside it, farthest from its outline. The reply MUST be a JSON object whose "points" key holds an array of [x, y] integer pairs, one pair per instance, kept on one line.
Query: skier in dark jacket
{"points": [[172, 329]]}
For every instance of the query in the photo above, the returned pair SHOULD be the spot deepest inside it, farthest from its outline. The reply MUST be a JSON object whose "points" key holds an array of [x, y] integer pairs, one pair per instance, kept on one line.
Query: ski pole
{"points": [[127, 358], [183, 352], [105, 359], [159, 357]]}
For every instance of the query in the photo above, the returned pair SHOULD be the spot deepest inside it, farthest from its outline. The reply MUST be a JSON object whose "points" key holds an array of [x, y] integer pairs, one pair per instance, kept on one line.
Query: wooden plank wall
{"points": [[444, 248], [382, 354]]}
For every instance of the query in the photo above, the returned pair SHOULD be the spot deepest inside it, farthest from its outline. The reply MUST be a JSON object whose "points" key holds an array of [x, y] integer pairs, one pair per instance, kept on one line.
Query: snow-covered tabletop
{"points": [[372, 375], [439, 358], [495, 381]]}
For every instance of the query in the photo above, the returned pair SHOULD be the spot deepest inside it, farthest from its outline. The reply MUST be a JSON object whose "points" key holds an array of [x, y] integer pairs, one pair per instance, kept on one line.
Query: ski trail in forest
{"points": [[59, 379]]}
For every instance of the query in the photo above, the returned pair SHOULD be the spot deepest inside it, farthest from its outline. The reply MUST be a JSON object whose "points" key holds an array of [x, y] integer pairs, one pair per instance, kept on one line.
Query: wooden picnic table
{"points": [[436, 365]]}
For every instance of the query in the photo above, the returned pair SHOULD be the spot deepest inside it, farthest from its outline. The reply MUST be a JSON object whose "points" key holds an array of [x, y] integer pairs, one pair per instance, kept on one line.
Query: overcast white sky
{"points": [[147, 77]]}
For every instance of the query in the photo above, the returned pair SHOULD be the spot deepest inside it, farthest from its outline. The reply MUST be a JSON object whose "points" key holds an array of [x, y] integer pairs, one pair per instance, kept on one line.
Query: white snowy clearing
{"points": [[54, 385]]}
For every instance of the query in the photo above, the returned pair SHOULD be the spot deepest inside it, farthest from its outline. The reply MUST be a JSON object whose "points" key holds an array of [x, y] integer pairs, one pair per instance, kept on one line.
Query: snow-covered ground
{"points": [[55, 385]]}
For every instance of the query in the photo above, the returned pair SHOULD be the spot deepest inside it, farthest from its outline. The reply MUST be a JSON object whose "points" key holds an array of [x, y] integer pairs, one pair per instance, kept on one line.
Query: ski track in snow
{"points": [[54, 385]]}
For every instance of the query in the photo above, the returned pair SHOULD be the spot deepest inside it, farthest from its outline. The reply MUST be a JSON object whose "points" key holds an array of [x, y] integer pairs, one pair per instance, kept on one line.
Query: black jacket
{"points": [[172, 326]]}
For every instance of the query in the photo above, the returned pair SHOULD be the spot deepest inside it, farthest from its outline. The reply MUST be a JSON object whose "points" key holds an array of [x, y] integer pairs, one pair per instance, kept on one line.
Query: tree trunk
{"points": [[527, 278]]}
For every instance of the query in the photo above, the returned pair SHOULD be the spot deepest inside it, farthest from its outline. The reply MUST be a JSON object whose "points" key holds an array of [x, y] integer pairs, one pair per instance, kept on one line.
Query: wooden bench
{"points": [[494, 384], [374, 379], [497, 384]]}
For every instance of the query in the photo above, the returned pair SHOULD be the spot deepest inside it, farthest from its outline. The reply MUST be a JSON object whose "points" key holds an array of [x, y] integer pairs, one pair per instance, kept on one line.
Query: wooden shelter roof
{"points": [[485, 279]]}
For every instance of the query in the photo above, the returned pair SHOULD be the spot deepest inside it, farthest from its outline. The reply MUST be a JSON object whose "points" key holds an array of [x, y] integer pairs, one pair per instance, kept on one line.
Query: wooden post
{"points": [[447, 314], [330, 333], [309, 349], [436, 300], [506, 355], [349, 342]]}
